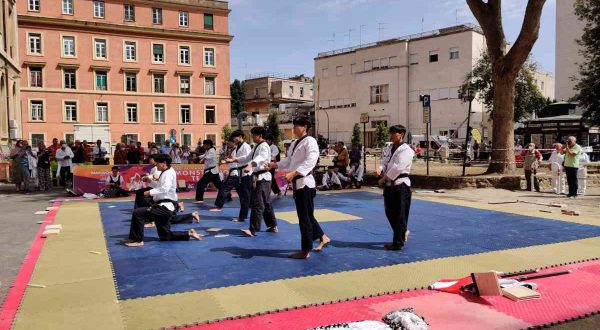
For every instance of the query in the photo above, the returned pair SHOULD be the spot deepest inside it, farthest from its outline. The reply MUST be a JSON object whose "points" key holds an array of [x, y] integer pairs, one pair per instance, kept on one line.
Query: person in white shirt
{"points": [[237, 178], [330, 181], [356, 175], [582, 175], [302, 159], [556, 160], [114, 184], [275, 157], [99, 154], [211, 170], [394, 170], [344, 180], [260, 201], [64, 157], [175, 153], [151, 180], [164, 208]]}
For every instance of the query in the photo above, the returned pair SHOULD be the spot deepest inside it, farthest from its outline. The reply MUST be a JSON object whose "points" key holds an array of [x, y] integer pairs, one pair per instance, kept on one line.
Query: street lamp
{"points": [[467, 95]]}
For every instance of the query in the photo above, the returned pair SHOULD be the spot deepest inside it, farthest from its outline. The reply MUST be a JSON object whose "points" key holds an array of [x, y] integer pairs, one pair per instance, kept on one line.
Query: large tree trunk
{"points": [[503, 155]]}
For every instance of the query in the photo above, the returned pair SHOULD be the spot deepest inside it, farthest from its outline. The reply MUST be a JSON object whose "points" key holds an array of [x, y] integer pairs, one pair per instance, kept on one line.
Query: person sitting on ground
{"points": [[114, 185], [331, 181], [356, 175], [345, 180]]}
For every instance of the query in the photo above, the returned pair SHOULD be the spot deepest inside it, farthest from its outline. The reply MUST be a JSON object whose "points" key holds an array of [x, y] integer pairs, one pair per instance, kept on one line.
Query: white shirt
{"points": [[97, 151], [342, 177], [241, 151], [154, 175], [392, 165], [330, 179], [555, 157], [211, 160], [175, 155], [357, 172], [584, 159], [261, 155], [274, 151], [60, 158], [166, 187], [302, 159]]}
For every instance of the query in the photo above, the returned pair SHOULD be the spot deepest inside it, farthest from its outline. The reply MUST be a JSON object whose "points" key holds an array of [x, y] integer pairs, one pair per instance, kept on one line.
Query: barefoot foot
{"points": [[406, 236], [322, 244], [299, 255], [193, 234], [196, 216], [134, 244], [215, 209], [272, 230], [247, 232], [149, 225], [181, 206]]}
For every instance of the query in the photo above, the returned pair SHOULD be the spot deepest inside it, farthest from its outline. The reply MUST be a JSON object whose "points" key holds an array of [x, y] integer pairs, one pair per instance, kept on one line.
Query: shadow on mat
{"points": [[470, 297], [122, 238], [231, 232], [359, 245], [239, 252]]}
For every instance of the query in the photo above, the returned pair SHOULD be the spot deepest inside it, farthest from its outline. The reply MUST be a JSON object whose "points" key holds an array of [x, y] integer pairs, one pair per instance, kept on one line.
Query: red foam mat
{"points": [[563, 297]]}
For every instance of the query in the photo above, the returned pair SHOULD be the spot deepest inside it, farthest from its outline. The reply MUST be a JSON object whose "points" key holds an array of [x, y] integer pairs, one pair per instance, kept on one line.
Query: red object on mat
{"points": [[453, 285], [14, 296]]}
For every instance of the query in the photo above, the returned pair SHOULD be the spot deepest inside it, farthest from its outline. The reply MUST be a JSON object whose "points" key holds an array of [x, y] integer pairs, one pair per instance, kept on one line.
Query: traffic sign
{"points": [[173, 139], [364, 118], [426, 115], [426, 99], [173, 132]]}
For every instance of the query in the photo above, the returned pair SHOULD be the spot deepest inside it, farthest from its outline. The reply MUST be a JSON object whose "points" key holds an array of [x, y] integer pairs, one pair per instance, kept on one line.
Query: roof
{"points": [[556, 118]]}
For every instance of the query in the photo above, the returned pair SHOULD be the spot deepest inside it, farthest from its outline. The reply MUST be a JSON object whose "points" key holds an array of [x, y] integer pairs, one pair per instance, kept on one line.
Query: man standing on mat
{"points": [[260, 202], [394, 171], [164, 207], [211, 170], [275, 157], [238, 179], [302, 159]]}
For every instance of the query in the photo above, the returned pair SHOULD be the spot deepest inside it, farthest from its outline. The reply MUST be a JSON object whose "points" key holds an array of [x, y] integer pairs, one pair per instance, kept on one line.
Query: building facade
{"points": [[545, 83], [264, 93], [10, 75], [133, 70], [569, 28], [385, 80]]}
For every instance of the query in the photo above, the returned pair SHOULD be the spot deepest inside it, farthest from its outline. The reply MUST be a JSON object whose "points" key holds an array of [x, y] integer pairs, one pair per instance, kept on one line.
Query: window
{"points": [[129, 12], [70, 111], [339, 70], [208, 21], [68, 46], [131, 82], [184, 18], [185, 114], [70, 78], [186, 139], [159, 83], [128, 138], [353, 68], [210, 114], [209, 85], [100, 49], [158, 53], [35, 43], [159, 139], [159, 113], [131, 113], [35, 77], [102, 112], [325, 72], [256, 93], [368, 65], [542, 84], [212, 137], [184, 85], [379, 94], [157, 16], [37, 110], [184, 54], [433, 56], [376, 65], [98, 9], [291, 91], [301, 91], [130, 51], [454, 53], [33, 5], [209, 56], [384, 63], [37, 138], [413, 58], [67, 7], [69, 137], [101, 80]]}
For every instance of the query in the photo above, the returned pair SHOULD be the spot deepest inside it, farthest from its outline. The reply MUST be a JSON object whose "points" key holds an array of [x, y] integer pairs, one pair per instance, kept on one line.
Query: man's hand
{"points": [[271, 165], [378, 171], [147, 193], [290, 176], [382, 181], [248, 168]]}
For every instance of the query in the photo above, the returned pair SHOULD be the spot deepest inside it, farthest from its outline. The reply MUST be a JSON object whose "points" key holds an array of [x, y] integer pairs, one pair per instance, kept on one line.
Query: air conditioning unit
{"points": [[12, 124]]}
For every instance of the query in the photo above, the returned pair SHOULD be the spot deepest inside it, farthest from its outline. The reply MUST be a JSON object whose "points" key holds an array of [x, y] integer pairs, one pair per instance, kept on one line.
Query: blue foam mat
{"points": [[437, 230]]}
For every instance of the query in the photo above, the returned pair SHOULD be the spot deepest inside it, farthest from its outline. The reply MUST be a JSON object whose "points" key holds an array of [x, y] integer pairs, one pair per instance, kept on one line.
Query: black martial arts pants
{"points": [[572, 180], [310, 230], [141, 200], [243, 187], [161, 217], [397, 207], [274, 187], [261, 206], [204, 181], [182, 218]]}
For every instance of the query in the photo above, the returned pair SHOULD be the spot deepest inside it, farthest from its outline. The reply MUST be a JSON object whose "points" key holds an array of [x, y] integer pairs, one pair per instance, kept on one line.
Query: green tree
{"points": [[588, 84], [226, 132], [382, 134], [528, 98], [237, 97], [356, 135], [272, 126]]}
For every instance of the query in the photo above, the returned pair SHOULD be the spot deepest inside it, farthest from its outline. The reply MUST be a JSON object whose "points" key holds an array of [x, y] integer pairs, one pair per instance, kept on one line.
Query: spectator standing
{"points": [[531, 158], [572, 154], [120, 156], [43, 167]]}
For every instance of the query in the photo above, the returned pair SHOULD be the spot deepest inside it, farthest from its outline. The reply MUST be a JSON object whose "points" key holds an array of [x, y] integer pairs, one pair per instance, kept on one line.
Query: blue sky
{"points": [[284, 36]]}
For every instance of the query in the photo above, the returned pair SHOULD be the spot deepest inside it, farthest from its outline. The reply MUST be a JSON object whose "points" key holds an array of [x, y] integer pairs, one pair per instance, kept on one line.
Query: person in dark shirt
{"points": [[43, 167], [133, 154], [79, 152]]}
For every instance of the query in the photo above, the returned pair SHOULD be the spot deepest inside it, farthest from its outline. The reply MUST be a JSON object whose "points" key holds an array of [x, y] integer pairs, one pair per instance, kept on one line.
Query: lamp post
{"points": [[467, 96]]}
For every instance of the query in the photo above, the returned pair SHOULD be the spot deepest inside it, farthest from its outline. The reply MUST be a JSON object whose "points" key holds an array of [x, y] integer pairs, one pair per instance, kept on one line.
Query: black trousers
{"points": [[572, 180], [182, 218], [343, 169], [261, 206], [310, 230], [397, 207], [232, 181], [65, 176], [161, 217], [274, 187], [141, 200], [536, 183], [204, 181]]}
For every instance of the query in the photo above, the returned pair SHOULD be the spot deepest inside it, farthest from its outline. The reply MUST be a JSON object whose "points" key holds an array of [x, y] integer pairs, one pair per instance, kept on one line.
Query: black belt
{"points": [[175, 203], [403, 175], [239, 168], [208, 169], [260, 172]]}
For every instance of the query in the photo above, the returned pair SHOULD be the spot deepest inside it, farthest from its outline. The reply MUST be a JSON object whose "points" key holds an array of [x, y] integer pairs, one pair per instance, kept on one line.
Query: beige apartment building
{"points": [[385, 79], [10, 113], [568, 29], [267, 92], [545, 83]]}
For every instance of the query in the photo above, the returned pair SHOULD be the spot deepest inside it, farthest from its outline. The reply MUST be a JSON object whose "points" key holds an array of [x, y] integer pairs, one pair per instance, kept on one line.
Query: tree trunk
{"points": [[503, 155]]}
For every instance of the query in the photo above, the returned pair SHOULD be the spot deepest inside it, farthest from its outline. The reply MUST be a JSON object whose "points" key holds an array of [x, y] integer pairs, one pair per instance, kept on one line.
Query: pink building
{"points": [[124, 70]]}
